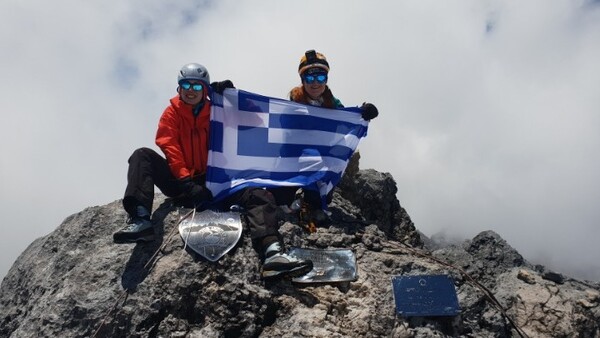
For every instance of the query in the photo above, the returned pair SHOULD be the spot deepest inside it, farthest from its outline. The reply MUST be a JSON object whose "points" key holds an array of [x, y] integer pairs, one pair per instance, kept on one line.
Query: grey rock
{"points": [[526, 276], [554, 276], [75, 282]]}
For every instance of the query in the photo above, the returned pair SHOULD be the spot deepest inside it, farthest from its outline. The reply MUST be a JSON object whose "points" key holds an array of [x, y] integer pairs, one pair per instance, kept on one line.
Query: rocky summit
{"points": [[75, 282]]}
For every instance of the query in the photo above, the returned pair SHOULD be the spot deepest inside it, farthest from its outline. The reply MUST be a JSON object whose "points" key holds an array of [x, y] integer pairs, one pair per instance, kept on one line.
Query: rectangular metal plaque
{"points": [[329, 265], [426, 295]]}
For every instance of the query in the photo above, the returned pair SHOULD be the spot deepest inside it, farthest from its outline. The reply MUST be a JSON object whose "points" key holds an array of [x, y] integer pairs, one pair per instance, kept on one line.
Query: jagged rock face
{"points": [[484, 257], [76, 283]]}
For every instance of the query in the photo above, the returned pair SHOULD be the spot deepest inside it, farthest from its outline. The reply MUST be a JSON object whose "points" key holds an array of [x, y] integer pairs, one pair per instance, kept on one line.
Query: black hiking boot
{"points": [[278, 264], [139, 229]]}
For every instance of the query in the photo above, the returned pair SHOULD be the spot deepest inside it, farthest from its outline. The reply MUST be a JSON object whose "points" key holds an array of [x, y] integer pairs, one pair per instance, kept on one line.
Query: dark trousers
{"points": [[261, 211], [261, 215], [147, 169]]}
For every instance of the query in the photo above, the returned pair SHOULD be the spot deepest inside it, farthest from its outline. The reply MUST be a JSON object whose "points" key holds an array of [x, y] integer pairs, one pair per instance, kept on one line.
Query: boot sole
{"points": [[297, 272], [144, 239]]}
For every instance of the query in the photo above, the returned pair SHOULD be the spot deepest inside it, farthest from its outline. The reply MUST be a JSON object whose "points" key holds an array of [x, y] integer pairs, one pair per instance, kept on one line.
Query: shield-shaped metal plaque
{"points": [[211, 233], [329, 266]]}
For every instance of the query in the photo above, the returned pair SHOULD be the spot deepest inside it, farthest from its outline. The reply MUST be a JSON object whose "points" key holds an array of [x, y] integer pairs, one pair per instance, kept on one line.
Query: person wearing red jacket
{"points": [[182, 135]]}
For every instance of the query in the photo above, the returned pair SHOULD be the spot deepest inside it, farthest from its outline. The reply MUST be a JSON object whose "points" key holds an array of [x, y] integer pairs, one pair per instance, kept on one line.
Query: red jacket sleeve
{"points": [[167, 138]]}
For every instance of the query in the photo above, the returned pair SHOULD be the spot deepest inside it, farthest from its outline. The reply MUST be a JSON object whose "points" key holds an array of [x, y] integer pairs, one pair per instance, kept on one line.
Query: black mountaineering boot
{"points": [[278, 264], [139, 229]]}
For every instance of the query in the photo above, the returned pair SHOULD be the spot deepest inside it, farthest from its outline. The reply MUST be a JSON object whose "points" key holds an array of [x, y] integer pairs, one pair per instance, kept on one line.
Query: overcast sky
{"points": [[489, 110]]}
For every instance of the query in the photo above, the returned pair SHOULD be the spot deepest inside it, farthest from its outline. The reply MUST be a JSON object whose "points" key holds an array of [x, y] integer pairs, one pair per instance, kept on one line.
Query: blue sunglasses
{"points": [[194, 86], [320, 78]]}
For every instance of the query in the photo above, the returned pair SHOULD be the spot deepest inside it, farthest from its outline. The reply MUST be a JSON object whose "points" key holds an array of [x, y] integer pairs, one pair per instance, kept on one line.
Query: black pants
{"points": [[147, 169], [261, 214], [261, 206]]}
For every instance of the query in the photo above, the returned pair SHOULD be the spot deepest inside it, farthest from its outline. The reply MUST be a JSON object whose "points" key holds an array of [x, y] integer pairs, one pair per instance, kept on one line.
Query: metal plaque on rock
{"points": [[211, 233], [425, 296], [329, 265]]}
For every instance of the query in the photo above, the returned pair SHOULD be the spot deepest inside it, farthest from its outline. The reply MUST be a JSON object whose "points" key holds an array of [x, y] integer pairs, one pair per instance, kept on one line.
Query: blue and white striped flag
{"points": [[268, 142]]}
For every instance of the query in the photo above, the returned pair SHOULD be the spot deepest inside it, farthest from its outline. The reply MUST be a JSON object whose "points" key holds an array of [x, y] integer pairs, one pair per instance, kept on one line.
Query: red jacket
{"points": [[183, 138]]}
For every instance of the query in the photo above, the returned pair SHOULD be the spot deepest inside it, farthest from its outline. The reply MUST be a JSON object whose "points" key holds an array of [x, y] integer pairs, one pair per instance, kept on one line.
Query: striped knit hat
{"points": [[312, 59]]}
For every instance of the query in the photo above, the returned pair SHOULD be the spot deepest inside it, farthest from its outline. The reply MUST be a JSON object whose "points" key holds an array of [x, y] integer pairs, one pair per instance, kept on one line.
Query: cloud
{"points": [[489, 110]]}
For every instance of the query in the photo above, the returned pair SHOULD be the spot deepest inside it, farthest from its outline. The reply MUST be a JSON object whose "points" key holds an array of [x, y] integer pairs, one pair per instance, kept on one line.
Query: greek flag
{"points": [[268, 142]]}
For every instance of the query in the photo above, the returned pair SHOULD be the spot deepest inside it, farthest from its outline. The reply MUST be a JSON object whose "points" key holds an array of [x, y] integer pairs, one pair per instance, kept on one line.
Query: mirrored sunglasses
{"points": [[194, 86], [320, 78]]}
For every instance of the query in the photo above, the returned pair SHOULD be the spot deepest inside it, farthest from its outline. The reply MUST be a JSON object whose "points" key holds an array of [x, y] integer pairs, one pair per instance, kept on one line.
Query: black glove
{"points": [[195, 191], [369, 111], [219, 87]]}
